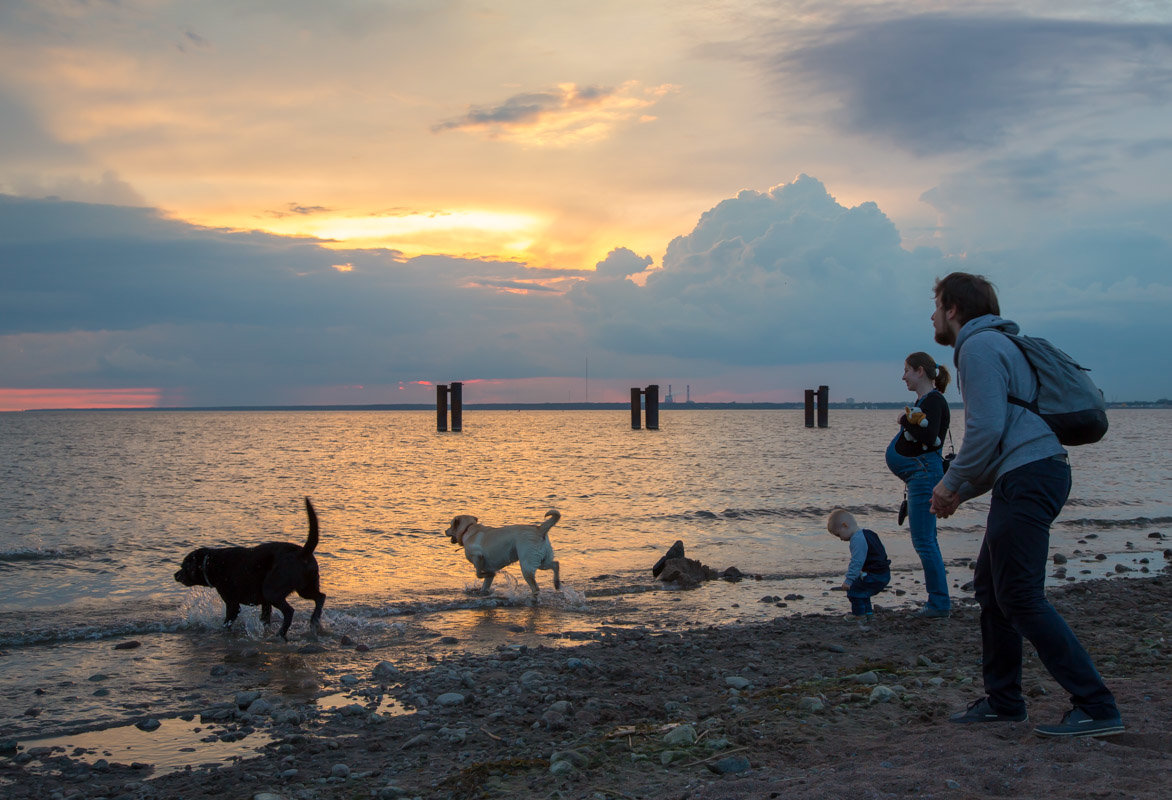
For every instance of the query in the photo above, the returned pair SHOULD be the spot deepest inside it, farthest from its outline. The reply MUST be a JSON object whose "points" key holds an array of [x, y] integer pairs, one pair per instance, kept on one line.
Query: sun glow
{"points": [[23, 399], [414, 233]]}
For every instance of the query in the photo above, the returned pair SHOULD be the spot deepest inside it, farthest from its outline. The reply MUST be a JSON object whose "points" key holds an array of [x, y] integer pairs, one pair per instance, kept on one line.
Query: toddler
{"points": [[870, 569]]}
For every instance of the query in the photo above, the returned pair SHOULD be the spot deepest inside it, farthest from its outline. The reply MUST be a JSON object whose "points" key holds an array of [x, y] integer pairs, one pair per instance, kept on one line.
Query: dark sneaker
{"points": [[1077, 722], [933, 613], [981, 711]]}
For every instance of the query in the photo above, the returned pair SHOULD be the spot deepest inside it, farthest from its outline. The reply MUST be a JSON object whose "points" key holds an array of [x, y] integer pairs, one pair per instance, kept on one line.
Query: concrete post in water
{"points": [[809, 408], [441, 407], [823, 406], [457, 393], [651, 401], [636, 416]]}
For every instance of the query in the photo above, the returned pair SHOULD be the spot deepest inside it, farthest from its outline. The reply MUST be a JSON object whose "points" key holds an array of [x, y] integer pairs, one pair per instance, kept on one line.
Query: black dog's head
{"points": [[192, 572]]}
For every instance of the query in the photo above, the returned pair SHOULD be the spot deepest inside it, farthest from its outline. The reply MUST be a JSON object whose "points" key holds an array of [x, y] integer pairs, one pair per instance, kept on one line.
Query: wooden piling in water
{"points": [[456, 392], [651, 404], [441, 407], [636, 415], [823, 406], [809, 408]]}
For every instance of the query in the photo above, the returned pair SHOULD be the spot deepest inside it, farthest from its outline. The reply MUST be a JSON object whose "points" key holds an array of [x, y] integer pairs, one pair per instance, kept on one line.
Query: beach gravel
{"points": [[641, 713]]}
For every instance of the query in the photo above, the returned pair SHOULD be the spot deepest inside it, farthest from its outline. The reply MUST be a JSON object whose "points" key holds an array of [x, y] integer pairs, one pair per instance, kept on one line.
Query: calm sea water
{"points": [[98, 508]]}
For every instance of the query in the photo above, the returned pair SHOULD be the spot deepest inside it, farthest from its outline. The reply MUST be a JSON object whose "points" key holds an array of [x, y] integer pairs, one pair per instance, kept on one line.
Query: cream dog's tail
{"points": [[551, 518]]}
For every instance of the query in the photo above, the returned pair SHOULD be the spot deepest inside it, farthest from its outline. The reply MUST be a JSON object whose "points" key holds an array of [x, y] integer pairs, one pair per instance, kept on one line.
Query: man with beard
{"points": [[1011, 452]]}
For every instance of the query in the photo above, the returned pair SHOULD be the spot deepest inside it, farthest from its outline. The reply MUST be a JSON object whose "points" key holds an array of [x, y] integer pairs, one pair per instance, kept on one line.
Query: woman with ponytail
{"points": [[914, 457]]}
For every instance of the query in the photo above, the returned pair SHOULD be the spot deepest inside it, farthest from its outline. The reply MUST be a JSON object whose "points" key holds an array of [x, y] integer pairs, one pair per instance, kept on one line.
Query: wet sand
{"points": [[809, 706]]}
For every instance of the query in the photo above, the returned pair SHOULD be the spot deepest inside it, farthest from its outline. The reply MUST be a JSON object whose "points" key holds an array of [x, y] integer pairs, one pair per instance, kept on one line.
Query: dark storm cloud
{"points": [[105, 290], [938, 84]]}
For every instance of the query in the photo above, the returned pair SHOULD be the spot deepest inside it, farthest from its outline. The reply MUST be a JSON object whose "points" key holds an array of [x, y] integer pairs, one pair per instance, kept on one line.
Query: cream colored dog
{"points": [[492, 549]]}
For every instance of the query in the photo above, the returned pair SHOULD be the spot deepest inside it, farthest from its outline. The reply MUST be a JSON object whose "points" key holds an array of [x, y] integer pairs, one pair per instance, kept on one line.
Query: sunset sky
{"points": [[298, 202]]}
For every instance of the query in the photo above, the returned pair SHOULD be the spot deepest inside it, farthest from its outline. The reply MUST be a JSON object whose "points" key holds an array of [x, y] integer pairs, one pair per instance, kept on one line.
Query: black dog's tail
{"points": [[311, 542], [552, 517]]}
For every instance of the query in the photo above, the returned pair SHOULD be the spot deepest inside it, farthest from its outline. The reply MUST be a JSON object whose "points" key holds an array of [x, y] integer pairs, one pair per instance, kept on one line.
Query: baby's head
{"points": [[842, 524]]}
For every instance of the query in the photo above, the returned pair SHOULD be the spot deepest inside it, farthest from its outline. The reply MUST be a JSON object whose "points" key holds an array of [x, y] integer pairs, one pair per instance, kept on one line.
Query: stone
{"points": [[148, 725], [867, 677], [680, 735], [572, 756], [737, 682], [730, 765], [130, 645], [882, 694], [385, 671], [260, 707], [686, 572], [675, 551], [1059, 558], [448, 699], [531, 679], [453, 735], [561, 768], [340, 771], [245, 699], [811, 704]]}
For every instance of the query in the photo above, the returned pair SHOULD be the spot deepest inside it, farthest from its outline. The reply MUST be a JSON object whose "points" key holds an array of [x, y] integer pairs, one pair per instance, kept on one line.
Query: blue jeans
{"points": [[863, 589], [1009, 583], [921, 474]]}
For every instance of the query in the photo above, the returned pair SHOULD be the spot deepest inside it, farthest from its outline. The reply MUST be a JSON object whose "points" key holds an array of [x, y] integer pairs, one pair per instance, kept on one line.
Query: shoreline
{"points": [[802, 706]]}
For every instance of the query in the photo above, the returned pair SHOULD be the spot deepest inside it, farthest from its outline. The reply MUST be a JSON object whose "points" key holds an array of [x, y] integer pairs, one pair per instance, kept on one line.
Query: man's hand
{"points": [[846, 586], [944, 501]]}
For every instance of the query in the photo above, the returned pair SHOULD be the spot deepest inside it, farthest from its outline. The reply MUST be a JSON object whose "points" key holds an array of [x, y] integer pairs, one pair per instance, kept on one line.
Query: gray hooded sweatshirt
{"points": [[998, 435]]}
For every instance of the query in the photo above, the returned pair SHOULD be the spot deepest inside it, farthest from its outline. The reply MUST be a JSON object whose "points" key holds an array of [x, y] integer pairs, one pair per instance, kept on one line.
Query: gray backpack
{"points": [[1067, 398]]}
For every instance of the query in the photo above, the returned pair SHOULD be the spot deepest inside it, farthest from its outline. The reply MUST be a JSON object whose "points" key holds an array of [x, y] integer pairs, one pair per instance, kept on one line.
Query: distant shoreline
{"points": [[691, 406]]}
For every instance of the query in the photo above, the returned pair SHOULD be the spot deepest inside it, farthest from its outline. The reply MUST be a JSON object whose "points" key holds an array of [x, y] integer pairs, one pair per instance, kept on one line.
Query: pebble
{"points": [[737, 682], [730, 765], [951, 784], [260, 707], [867, 677], [385, 670], [130, 645], [681, 735], [532, 678], [811, 704], [148, 725], [563, 768], [245, 699], [882, 694], [572, 756], [340, 771], [448, 699]]}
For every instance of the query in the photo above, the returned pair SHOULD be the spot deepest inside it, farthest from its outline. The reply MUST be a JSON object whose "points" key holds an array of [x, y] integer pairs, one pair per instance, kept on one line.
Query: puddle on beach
{"points": [[176, 744]]}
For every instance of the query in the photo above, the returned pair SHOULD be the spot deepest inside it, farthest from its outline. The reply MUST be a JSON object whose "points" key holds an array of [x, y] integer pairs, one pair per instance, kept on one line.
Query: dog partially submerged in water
{"points": [[492, 549], [263, 576]]}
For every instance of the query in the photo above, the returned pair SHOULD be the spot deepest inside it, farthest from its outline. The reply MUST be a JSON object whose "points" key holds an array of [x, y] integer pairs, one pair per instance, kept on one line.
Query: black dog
{"points": [[259, 576]]}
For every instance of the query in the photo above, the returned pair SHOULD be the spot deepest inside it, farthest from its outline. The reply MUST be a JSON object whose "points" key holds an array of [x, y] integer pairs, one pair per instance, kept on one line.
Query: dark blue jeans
{"points": [[863, 589], [1009, 583]]}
